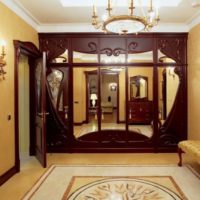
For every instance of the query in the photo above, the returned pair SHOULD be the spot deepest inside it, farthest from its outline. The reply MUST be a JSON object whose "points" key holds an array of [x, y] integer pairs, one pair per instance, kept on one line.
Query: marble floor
{"points": [[17, 186]]}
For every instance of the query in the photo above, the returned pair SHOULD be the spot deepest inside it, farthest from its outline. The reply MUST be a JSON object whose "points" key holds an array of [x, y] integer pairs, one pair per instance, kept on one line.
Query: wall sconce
{"points": [[2, 61], [113, 86]]}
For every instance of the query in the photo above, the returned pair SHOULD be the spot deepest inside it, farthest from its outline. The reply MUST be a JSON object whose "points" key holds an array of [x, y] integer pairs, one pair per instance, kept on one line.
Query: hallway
{"points": [[31, 170]]}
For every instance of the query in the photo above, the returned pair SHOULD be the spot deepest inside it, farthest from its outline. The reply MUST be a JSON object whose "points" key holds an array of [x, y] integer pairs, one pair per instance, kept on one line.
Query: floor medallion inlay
{"points": [[121, 189]]}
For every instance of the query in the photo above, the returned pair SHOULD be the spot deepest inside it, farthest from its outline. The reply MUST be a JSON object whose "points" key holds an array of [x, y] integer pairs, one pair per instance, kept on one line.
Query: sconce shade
{"points": [[93, 97]]}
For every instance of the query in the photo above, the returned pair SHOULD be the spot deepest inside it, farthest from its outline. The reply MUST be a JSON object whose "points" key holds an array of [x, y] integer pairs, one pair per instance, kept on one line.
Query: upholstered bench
{"points": [[107, 107], [192, 147]]}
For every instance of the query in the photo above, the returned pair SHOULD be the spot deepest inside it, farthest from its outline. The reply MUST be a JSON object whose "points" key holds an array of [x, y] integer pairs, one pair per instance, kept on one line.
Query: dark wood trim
{"points": [[78, 123], [30, 50], [180, 151], [7, 175]]}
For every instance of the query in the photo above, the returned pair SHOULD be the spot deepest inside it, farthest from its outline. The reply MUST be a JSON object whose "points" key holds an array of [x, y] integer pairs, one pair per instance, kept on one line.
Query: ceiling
{"points": [[51, 16]]}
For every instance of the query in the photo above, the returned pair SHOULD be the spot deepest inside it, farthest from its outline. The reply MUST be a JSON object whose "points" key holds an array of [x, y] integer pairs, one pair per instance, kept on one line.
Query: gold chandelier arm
{"points": [[131, 7], [109, 8], [151, 6]]}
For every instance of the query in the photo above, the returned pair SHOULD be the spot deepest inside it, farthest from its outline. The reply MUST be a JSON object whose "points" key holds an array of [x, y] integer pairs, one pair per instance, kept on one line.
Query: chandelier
{"points": [[125, 24]]}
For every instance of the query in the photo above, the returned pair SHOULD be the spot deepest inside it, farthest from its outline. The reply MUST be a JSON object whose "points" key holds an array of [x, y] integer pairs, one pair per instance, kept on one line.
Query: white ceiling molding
{"points": [[194, 20], [87, 27], [119, 3], [21, 12]]}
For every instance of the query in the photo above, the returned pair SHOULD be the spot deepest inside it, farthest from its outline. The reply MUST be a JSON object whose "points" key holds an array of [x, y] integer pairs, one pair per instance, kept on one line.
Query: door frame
{"points": [[31, 51]]}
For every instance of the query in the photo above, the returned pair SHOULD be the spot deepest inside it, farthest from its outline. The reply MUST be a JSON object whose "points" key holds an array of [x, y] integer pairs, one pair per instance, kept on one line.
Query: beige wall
{"points": [[194, 83], [12, 27], [23, 106]]}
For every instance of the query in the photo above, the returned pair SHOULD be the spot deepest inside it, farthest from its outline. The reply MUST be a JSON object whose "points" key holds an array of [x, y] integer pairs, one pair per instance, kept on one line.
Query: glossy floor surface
{"points": [[31, 170]]}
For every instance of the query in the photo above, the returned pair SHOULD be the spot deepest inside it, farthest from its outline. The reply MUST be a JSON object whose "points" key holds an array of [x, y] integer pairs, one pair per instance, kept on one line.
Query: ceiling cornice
{"points": [[193, 21], [87, 27]]}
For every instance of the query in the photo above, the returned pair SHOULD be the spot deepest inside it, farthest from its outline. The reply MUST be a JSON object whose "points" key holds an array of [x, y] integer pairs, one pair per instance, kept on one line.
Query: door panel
{"points": [[40, 77]]}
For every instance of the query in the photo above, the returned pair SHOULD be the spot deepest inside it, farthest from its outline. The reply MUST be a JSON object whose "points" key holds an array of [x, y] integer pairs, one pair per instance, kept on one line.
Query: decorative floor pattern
{"points": [[116, 182], [127, 188]]}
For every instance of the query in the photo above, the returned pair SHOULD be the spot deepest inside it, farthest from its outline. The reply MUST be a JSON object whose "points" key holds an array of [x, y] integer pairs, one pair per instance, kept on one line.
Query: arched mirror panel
{"points": [[143, 57], [85, 91], [79, 57], [140, 102], [62, 58], [162, 58], [54, 47], [173, 48], [109, 58]]}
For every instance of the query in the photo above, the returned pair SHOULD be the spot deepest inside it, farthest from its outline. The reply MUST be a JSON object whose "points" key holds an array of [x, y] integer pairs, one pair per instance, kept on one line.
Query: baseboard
{"points": [[121, 122], [78, 123], [7, 175]]}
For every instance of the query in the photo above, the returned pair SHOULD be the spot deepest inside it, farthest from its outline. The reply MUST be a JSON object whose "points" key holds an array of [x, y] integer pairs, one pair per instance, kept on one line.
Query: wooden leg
{"points": [[180, 157]]}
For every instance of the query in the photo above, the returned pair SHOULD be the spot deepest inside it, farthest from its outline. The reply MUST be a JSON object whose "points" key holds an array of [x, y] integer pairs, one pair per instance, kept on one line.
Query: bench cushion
{"points": [[191, 147]]}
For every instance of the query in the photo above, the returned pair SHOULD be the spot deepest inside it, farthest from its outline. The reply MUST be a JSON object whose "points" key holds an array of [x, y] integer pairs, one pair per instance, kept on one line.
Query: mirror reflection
{"points": [[63, 58], [167, 89], [162, 58], [138, 87], [112, 81], [142, 57], [79, 57], [140, 104], [85, 92]]}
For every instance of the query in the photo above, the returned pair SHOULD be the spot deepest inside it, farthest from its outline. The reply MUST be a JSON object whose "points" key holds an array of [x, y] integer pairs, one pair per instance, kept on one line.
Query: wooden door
{"points": [[40, 129]]}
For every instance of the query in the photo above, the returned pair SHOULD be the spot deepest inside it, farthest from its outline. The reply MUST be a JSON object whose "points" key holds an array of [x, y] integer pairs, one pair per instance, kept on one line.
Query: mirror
{"points": [[63, 58], [79, 57], [138, 87], [85, 91], [140, 103], [144, 57], [112, 80], [167, 89]]}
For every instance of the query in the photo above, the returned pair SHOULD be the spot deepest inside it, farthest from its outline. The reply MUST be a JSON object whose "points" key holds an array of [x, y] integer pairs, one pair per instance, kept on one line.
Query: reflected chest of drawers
{"points": [[140, 112]]}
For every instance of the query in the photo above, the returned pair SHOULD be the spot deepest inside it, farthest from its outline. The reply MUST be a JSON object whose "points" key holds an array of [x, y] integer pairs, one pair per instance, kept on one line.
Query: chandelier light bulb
{"points": [[126, 24]]}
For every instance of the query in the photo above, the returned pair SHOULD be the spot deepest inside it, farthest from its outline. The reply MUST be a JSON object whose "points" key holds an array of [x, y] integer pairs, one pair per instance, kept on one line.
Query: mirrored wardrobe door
{"points": [[168, 83], [112, 85], [85, 91], [140, 103]]}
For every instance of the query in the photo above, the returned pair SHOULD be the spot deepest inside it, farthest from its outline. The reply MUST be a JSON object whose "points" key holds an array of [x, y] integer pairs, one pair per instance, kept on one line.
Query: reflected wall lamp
{"points": [[2, 61], [93, 97]]}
